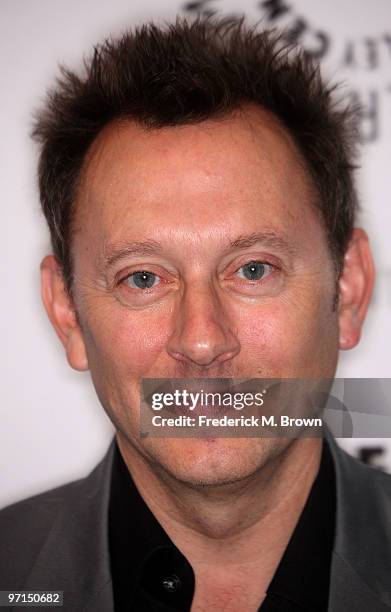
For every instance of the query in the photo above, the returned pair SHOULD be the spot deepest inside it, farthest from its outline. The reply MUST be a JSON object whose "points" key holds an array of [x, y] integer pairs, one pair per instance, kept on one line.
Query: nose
{"points": [[202, 334]]}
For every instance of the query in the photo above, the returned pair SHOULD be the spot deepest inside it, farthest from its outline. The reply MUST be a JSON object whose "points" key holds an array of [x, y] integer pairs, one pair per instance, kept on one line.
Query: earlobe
{"points": [[61, 313], [75, 350], [355, 289]]}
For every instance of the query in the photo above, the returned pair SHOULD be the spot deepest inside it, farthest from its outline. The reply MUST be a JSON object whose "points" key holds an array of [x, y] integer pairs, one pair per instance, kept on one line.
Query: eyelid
{"points": [[262, 261], [234, 263], [122, 276]]}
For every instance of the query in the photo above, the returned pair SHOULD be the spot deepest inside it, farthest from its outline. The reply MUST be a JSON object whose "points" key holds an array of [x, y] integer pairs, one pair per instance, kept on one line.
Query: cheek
{"points": [[123, 346], [289, 338], [126, 343]]}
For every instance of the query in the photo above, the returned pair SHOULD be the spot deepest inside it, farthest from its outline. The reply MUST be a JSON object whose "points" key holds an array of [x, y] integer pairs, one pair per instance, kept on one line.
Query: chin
{"points": [[201, 462]]}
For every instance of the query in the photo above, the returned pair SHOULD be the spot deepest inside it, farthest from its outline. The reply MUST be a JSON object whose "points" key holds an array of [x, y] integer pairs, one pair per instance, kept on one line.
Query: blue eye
{"points": [[254, 270], [142, 280]]}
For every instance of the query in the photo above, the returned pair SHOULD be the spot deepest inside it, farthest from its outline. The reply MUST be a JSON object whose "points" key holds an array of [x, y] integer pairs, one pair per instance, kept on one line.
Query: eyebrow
{"points": [[112, 253], [268, 238]]}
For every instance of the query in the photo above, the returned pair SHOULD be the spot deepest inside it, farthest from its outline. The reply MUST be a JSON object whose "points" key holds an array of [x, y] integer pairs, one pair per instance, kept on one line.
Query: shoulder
{"points": [[363, 509], [48, 533], [361, 565], [24, 527], [363, 499], [370, 477], [39, 508]]}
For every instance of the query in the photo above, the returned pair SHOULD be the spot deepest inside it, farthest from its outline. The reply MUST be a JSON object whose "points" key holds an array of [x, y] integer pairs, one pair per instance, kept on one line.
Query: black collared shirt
{"points": [[151, 575]]}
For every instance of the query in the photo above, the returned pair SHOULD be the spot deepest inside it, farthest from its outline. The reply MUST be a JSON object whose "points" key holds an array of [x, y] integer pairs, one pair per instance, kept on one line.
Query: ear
{"points": [[61, 312], [355, 289]]}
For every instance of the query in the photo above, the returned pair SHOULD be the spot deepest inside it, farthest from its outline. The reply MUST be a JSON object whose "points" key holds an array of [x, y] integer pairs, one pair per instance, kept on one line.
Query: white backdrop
{"points": [[52, 426]]}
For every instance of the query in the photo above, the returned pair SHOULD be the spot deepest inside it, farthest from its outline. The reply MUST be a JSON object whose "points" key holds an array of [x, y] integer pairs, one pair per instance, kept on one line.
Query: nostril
{"points": [[228, 355]]}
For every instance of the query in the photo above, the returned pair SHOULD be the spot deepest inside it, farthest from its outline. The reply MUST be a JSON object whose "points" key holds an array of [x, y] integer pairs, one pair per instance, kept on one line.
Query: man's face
{"points": [[195, 207]]}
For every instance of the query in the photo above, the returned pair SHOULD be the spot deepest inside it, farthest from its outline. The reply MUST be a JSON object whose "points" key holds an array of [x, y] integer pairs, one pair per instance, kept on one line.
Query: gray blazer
{"points": [[58, 540]]}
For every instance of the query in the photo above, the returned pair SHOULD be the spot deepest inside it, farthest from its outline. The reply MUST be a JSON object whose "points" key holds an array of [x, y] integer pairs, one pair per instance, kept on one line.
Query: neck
{"points": [[245, 523]]}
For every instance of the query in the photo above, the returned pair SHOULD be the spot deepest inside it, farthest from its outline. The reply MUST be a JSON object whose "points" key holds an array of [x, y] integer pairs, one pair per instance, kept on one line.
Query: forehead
{"points": [[194, 177]]}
